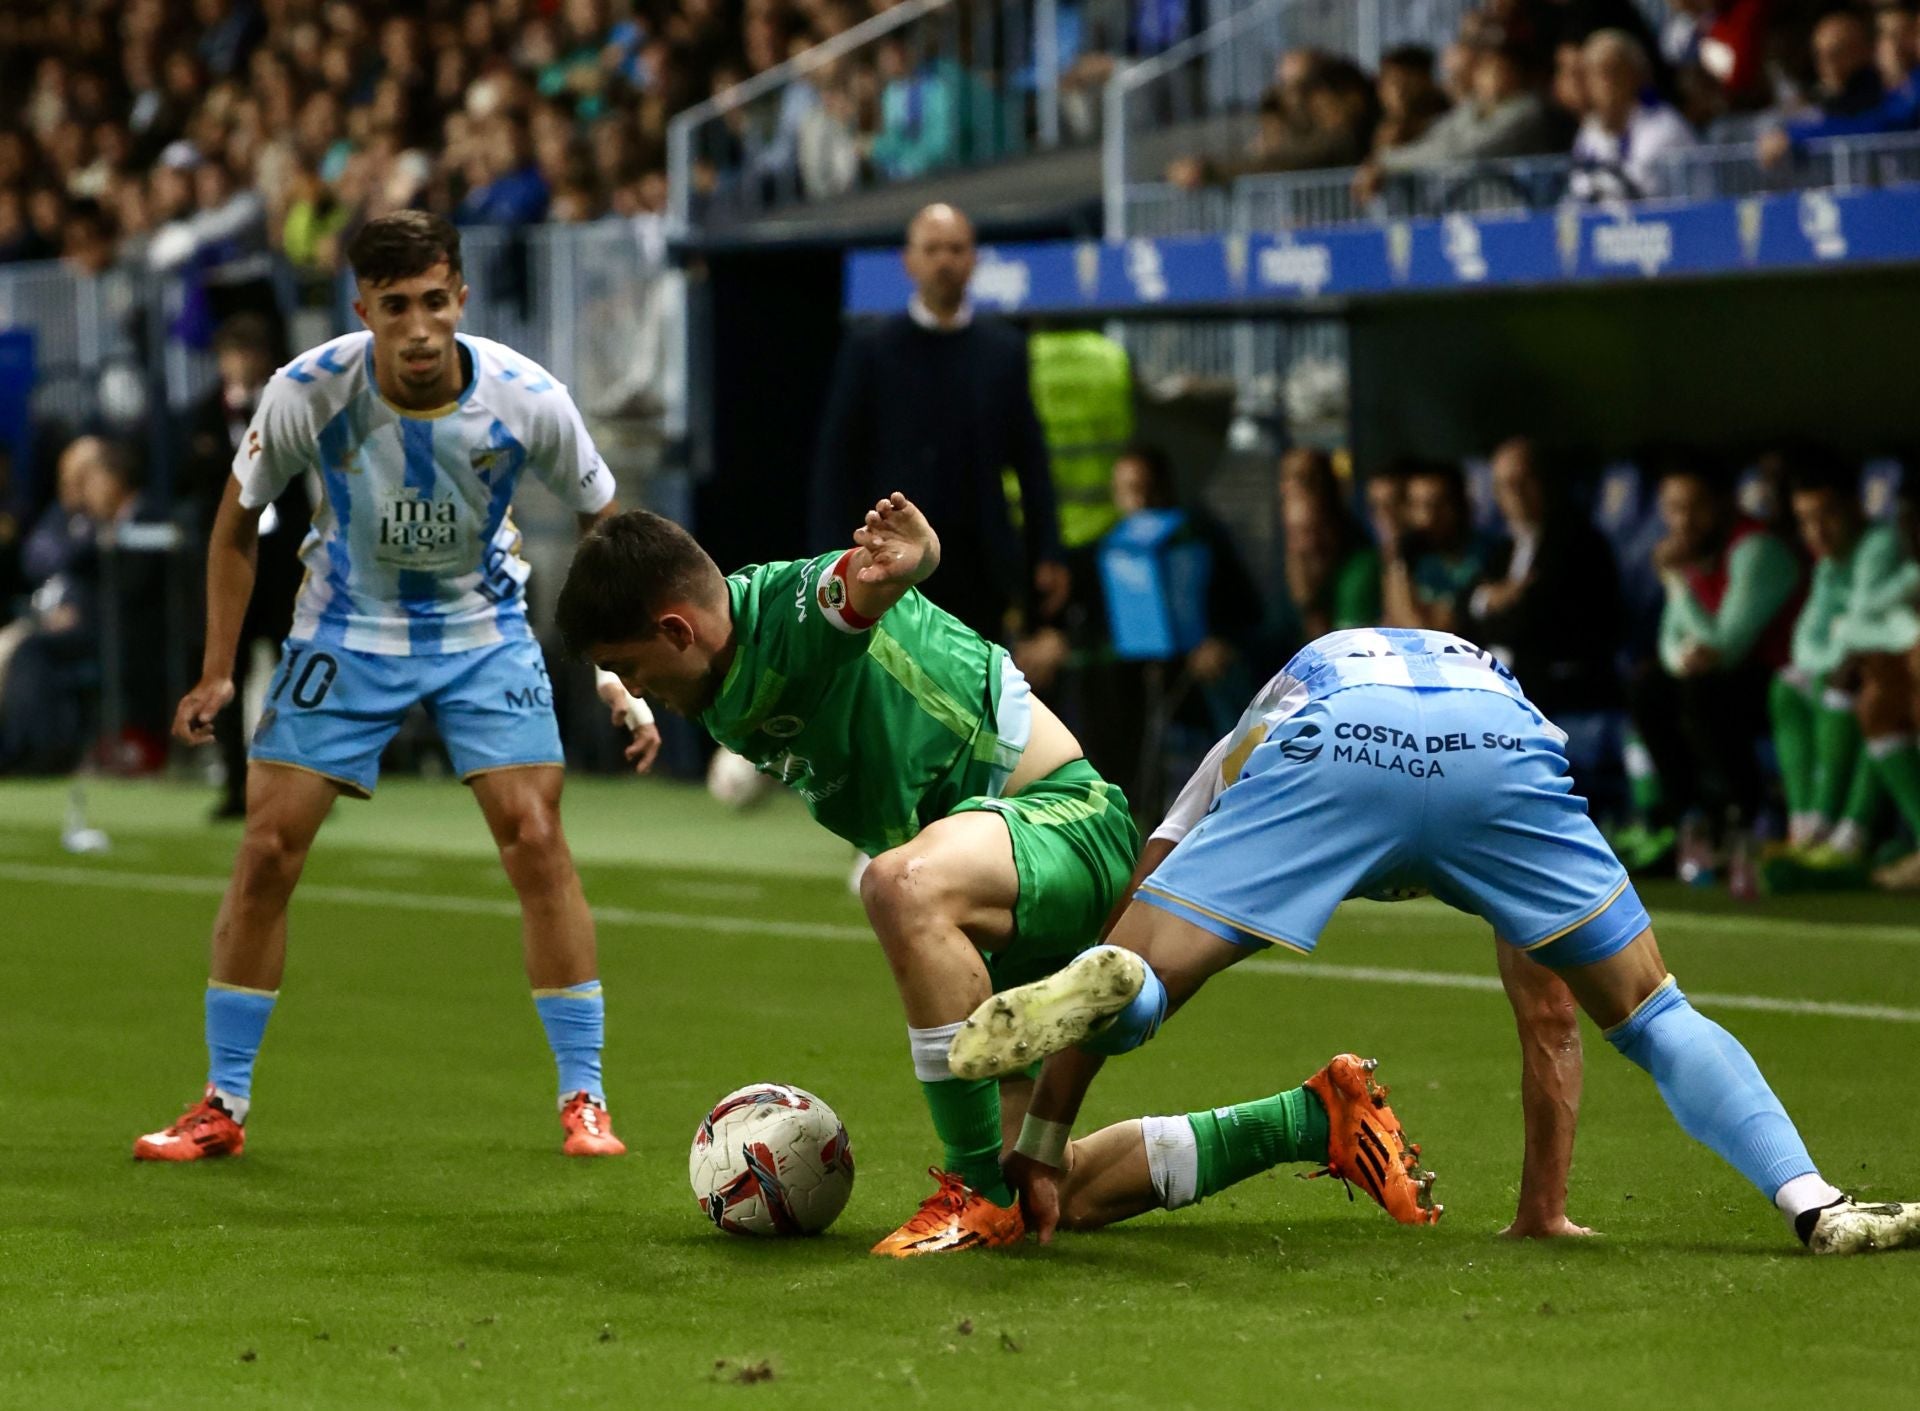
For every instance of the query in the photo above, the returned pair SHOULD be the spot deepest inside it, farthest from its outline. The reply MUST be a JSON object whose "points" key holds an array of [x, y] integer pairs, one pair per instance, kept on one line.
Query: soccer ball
{"points": [[771, 1160]]}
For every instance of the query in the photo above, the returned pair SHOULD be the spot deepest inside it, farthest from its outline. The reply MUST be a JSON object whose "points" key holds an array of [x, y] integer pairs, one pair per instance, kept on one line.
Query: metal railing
{"points": [[1209, 89], [1296, 200], [922, 87]]}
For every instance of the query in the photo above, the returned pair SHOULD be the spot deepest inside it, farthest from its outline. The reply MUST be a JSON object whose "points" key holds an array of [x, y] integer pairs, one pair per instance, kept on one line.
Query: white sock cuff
{"points": [[929, 1047], [1886, 746], [236, 1106], [1173, 1158], [1804, 1193]]}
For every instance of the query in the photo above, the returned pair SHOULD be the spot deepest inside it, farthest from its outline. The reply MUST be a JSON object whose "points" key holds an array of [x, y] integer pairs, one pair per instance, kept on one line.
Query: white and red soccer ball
{"points": [[771, 1160]]}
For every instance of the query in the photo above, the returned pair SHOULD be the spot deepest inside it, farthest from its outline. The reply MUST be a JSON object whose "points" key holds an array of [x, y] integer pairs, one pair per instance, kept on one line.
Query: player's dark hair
{"points": [[623, 576], [401, 246]]}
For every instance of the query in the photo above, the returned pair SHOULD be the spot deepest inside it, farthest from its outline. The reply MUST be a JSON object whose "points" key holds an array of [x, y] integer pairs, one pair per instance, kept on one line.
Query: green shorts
{"points": [[1074, 848]]}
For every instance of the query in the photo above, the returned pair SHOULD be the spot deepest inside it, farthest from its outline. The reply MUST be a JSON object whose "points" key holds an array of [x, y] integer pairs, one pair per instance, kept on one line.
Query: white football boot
{"points": [[1850, 1227], [1026, 1024]]}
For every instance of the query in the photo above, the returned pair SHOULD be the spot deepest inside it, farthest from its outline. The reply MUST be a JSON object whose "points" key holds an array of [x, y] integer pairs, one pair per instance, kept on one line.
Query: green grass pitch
{"points": [[404, 1232]]}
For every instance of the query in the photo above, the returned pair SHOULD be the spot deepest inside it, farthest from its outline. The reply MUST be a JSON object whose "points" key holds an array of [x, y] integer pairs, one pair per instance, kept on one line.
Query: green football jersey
{"points": [[881, 730]]}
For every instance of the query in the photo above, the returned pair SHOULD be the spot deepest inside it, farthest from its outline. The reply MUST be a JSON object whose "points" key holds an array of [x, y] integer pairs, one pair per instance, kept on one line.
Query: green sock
{"points": [[1792, 713], [1237, 1142], [1897, 762], [967, 1117], [1863, 799], [1836, 742]]}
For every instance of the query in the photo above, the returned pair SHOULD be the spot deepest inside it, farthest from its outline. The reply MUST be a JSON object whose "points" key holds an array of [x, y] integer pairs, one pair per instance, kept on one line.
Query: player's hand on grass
{"points": [[899, 545], [1551, 1227], [1038, 1189], [193, 719]]}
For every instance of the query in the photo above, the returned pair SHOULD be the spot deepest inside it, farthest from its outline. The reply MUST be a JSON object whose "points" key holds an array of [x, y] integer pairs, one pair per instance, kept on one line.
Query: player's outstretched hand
{"points": [[1526, 1227], [900, 545], [1038, 1188], [193, 718], [644, 747]]}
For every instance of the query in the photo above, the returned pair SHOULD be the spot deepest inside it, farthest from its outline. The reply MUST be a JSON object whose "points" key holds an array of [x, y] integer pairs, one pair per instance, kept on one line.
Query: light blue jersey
{"points": [[413, 551], [1387, 764]]}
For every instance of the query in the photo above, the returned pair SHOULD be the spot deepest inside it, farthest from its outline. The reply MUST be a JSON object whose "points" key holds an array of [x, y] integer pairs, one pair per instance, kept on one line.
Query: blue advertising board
{"points": [[1571, 245]]}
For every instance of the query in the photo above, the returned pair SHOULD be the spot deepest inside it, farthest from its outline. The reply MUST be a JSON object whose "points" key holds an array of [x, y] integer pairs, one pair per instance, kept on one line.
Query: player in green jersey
{"points": [[998, 851]]}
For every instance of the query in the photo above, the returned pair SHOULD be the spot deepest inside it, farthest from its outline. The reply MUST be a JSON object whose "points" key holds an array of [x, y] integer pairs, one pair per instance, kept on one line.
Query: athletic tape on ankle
{"points": [[1044, 1141]]}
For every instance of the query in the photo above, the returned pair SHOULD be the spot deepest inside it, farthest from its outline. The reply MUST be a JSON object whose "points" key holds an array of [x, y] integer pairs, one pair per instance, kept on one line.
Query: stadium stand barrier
{"points": [[1299, 200], [953, 85]]}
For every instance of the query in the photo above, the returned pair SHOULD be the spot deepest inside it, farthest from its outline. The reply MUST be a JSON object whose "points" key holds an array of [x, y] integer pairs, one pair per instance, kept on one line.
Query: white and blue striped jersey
{"points": [[1360, 656], [413, 550]]}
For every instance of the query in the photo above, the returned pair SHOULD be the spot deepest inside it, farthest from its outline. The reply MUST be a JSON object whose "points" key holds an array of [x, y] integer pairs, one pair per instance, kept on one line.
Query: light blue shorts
{"points": [[1390, 791], [332, 711]]}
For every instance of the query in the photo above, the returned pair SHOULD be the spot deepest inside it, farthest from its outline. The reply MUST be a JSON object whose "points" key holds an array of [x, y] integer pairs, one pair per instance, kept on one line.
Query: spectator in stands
{"points": [[1896, 42], [1549, 604], [1853, 100], [1386, 493], [1504, 115], [937, 403], [1332, 572], [1437, 558], [1847, 663], [1731, 595], [1338, 111], [1628, 131], [1890, 698], [214, 434], [513, 191], [1411, 101], [1718, 52], [920, 112], [57, 661]]}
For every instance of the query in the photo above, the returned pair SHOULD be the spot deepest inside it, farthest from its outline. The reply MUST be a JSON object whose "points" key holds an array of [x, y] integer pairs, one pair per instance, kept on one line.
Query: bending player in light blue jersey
{"points": [[413, 595], [1384, 764]]}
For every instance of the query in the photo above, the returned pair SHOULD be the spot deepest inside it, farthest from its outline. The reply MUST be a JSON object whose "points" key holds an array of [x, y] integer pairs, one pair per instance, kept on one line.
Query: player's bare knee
{"points": [[270, 859], [532, 847], [899, 889]]}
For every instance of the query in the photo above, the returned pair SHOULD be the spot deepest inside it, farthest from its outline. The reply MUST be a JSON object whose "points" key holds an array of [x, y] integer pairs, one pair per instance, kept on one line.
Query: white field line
{"points": [[831, 931]]}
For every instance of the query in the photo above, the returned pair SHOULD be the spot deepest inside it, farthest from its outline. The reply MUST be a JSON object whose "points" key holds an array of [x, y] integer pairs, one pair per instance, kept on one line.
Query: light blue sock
{"points": [[575, 1020], [1135, 1024], [236, 1022], [1715, 1091]]}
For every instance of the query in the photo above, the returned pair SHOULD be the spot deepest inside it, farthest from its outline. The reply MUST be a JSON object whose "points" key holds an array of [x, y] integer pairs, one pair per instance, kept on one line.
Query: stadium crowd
{"points": [[1594, 80]]}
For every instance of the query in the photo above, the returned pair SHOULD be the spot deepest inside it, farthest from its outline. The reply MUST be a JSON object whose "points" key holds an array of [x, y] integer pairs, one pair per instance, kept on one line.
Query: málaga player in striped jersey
{"points": [[1381, 763], [414, 594]]}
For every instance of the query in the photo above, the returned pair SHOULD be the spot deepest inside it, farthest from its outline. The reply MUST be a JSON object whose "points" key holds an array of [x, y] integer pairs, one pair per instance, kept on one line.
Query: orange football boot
{"points": [[589, 1129], [954, 1217], [203, 1130], [1365, 1143]]}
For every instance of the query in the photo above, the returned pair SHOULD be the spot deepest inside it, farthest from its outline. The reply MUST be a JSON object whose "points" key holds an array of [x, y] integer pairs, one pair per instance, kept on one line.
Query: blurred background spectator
{"points": [[1628, 127], [213, 433], [1732, 588], [50, 658], [1437, 558]]}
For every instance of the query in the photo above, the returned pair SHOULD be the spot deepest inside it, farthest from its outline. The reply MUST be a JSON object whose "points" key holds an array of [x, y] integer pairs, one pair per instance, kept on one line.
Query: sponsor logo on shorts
{"points": [[1303, 746]]}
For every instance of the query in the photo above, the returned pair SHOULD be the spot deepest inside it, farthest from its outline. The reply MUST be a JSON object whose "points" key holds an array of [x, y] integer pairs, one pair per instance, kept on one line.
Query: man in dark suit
{"points": [[1550, 604], [935, 403]]}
